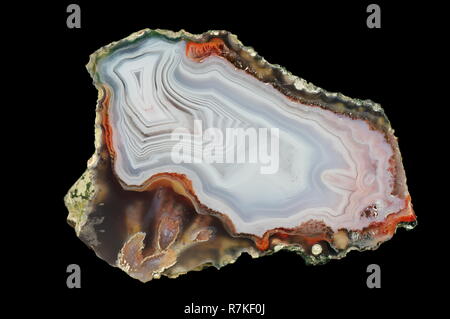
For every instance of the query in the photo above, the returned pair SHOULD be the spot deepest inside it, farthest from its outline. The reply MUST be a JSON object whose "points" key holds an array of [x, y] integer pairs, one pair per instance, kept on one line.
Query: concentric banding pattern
{"points": [[331, 167]]}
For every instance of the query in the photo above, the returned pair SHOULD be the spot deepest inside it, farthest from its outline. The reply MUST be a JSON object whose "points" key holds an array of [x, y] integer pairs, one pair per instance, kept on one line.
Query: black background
{"points": [[327, 44]]}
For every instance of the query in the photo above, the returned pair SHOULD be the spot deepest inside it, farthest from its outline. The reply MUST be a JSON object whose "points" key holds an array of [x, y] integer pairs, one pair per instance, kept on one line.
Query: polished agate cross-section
{"points": [[205, 151]]}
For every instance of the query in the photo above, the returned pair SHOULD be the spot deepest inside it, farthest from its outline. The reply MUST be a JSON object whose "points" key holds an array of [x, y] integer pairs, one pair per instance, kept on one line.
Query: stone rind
{"points": [[78, 199]]}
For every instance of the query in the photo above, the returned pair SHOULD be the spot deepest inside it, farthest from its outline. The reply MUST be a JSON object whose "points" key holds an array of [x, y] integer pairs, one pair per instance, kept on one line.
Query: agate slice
{"points": [[330, 179]]}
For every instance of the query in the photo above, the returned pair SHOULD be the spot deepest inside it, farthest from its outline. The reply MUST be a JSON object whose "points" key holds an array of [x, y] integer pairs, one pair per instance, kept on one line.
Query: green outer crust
{"points": [[81, 195], [77, 200]]}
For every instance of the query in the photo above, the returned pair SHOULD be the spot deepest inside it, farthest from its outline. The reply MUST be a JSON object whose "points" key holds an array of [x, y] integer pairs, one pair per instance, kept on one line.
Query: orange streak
{"points": [[262, 243], [105, 124], [199, 51], [388, 226]]}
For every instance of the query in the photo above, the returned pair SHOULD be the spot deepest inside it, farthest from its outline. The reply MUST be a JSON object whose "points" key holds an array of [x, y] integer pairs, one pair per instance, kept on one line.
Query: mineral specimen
{"points": [[204, 151]]}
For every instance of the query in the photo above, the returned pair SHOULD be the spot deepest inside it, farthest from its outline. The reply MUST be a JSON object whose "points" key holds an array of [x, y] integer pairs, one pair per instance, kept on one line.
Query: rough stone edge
{"points": [[80, 195]]}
